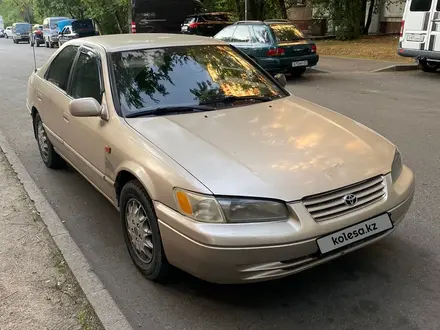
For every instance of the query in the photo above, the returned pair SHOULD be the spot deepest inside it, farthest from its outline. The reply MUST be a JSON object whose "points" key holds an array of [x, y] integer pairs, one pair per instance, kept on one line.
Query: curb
{"points": [[398, 67], [105, 307]]}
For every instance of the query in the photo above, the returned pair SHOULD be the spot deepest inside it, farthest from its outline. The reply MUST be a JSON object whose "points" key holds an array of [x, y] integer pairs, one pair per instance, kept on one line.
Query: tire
{"points": [[50, 157], [47, 44], [297, 72], [427, 66], [50, 44], [7, 36], [153, 264], [38, 44]]}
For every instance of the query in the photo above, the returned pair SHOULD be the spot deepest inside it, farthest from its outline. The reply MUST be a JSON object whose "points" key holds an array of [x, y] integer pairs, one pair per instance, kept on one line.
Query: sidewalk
{"points": [[340, 64], [37, 289]]}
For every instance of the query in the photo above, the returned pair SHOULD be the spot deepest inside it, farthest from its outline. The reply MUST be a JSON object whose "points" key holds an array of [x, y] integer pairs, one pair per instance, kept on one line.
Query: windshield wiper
{"points": [[170, 110], [231, 99]]}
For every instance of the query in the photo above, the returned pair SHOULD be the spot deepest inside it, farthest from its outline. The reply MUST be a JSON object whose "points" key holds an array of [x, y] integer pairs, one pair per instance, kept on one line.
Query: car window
{"points": [[189, 20], [241, 34], [420, 5], [226, 33], [67, 30], [438, 6], [186, 75], [82, 24], [261, 33], [86, 78], [287, 32], [59, 69], [215, 17]]}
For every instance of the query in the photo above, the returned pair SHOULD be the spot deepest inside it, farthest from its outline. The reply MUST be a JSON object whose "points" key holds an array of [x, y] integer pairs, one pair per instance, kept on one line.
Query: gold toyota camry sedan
{"points": [[214, 167]]}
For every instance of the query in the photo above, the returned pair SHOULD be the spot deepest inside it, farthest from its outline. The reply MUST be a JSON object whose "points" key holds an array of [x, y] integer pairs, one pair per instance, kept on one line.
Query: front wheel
{"points": [[141, 232], [297, 72], [47, 152]]}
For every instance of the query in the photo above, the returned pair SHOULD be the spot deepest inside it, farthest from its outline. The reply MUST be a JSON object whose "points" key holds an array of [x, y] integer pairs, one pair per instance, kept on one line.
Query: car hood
{"points": [[285, 149]]}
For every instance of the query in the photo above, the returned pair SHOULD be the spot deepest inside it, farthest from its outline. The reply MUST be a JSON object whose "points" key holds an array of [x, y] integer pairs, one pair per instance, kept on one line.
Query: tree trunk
{"points": [[369, 17], [282, 5]]}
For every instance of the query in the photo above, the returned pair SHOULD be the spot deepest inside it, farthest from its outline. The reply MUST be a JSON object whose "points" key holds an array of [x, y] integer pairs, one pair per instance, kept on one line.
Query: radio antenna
{"points": [[35, 58]]}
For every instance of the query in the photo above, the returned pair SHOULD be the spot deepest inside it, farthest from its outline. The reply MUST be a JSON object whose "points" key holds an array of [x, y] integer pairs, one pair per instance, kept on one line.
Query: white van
{"points": [[420, 33]]}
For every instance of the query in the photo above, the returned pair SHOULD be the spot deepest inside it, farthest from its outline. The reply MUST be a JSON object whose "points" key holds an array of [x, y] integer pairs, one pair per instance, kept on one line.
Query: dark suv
{"points": [[206, 24], [277, 45]]}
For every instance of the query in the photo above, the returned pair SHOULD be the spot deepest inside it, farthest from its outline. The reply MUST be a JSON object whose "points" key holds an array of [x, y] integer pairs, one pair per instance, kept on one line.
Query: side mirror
{"points": [[281, 79], [85, 107]]}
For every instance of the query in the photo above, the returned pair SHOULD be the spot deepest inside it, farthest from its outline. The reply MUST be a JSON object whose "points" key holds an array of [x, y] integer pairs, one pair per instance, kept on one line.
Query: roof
{"points": [[120, 42]]}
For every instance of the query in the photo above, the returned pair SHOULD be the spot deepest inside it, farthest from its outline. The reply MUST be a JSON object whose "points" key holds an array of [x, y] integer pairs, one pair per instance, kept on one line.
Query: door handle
{"points": [[66, 117]]}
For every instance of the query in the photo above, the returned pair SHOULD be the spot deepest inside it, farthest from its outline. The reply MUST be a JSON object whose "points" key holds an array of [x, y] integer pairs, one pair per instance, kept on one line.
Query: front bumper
{"points": [[240, 253], [22, 38]]}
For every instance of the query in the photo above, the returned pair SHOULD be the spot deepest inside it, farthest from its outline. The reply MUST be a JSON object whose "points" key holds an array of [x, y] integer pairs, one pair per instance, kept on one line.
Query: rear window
{"points": [[286, 32], [82, 24], [420, 5], [216, 17]]}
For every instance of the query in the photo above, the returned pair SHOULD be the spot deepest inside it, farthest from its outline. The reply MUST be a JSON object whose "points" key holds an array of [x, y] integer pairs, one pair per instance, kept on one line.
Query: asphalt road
{"points": [[391, 285]]}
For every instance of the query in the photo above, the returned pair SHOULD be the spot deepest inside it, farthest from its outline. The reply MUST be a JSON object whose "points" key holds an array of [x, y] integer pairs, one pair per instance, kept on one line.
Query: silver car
{"points": [[214, 167]]}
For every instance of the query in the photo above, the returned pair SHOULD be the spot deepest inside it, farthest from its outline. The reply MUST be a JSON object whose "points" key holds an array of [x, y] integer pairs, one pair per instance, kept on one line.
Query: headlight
{"points": [[228, 210], [396, 167]]}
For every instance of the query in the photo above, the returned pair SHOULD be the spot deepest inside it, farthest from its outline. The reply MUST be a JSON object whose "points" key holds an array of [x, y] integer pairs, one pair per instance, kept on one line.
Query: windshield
{"points": [[22, 28], [287, 32], [186, 76], [82, 24]]}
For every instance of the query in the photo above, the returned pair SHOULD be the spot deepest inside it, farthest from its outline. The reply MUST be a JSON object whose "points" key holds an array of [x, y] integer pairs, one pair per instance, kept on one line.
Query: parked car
{"points": [[36, 35], [50, 30], [206, 24], [8, 32], [214, 167], [79, 29], [2, 33], [20, 32], [161, 16], [278, 46], [420, 34]]}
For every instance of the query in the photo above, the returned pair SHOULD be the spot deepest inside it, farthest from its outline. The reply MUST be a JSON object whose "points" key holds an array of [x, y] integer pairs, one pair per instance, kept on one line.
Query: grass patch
{"points": [[370, 47]]}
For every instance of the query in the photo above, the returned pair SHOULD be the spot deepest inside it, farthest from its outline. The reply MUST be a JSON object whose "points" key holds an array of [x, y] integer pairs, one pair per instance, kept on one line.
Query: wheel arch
{"points": [[131, 171]]}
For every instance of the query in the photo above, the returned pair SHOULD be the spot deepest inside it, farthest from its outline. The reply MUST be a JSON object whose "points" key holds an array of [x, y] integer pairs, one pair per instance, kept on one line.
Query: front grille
{"points": [[331, 204]]}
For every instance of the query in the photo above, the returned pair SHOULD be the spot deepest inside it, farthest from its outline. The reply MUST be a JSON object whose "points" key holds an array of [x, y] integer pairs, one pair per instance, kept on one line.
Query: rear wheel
{"points": [[141, 232], [297, 72], [428, 66], [47, 152]]}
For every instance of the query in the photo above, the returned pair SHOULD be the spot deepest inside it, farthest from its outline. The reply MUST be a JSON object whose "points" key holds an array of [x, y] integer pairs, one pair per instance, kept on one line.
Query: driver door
{"points": [[86, 136]]}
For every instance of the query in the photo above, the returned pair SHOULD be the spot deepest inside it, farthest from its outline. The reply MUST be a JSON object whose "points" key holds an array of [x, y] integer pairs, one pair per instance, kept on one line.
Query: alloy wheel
{"points": [[43, 141], [139, 230]]}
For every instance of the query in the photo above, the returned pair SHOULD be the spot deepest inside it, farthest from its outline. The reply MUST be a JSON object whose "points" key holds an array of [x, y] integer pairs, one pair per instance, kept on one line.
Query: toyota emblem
{"points": [[350, 200]]}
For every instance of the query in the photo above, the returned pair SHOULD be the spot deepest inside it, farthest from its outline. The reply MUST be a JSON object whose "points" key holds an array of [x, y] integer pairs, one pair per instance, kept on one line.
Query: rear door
{"points": [[433, 36], [416, 24]]}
